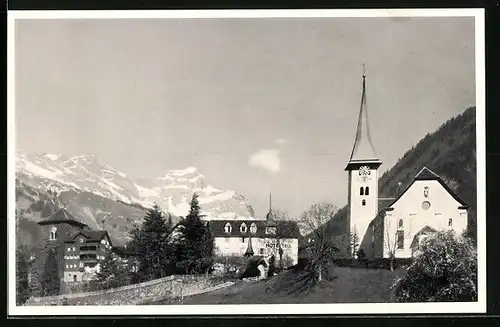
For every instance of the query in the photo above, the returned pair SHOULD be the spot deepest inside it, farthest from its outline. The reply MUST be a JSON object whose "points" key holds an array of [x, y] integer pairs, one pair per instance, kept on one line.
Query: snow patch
{"points": [[223, 196], [52, 156]]}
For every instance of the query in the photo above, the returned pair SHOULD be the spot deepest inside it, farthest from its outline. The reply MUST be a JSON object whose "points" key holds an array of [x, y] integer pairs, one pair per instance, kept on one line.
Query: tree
{"points": [[353, 244], [321, 248], [445, 270], [50, 278], [150, 244], [111, 274], [283, 231], [196, 248], [393, 239], [23, 290]]}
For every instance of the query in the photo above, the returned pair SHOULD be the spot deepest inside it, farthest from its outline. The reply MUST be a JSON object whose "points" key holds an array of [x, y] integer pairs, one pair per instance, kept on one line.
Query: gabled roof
{"points": [[93, 236], [62, 216], [427, 174]]}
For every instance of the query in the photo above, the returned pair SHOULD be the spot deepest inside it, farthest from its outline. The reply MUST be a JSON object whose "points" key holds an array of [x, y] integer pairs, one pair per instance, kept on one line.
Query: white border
{"points": [[256, 309]]}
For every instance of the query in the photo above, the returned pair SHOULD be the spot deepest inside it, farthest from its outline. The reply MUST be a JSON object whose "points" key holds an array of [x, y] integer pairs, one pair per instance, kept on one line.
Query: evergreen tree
{"points": [[23, 291], [50, 278], [195, 253], [151, 245], [111, 273]]}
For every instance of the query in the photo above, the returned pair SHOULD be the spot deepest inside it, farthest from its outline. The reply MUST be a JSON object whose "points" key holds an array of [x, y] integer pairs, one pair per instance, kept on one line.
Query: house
{"points": [[395, 226], [73, 244], [257, 237]]}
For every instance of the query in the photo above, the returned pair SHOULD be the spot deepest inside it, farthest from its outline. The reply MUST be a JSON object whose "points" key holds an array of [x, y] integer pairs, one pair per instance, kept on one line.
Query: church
{"points": [[386, 227]]}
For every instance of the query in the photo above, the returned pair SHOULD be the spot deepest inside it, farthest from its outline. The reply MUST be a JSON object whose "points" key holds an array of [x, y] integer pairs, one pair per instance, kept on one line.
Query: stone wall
{"points": [[174, 287]]}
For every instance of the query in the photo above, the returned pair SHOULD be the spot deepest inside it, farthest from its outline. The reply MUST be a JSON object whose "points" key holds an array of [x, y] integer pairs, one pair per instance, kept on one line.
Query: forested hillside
{"points": [[450, 152]]}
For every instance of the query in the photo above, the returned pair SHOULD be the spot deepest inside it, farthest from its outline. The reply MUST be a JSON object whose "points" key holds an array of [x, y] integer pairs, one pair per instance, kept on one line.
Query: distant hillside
{"points": [[33, 205], [450, 152]]}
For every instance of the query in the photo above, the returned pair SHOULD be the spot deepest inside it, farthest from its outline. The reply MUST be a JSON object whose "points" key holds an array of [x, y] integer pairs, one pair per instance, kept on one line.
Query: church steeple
{"points": [[363, 150]]}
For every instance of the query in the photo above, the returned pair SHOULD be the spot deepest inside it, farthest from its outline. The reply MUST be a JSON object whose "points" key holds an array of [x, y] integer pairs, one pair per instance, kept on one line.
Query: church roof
{"points": [[363, 150], [62, 216], [427, 174]]}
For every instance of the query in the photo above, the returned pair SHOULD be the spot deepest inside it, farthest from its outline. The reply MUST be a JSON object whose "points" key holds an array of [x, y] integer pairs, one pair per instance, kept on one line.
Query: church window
{"points": [[373, 233], [426, 191], [228, 228], [69, 249], [400, 240], [363, 202], [261, 251], [53, 234], [253, 228], [426, 205], [367, 191], [243, 228], [81, 240], [242, 240], [361, 191], [81, 264], [400, 224], [74, 249], [74, 278], [450, 222]]}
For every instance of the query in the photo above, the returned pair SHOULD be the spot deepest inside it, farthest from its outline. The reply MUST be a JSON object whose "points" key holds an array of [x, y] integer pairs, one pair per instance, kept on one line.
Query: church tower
{"points": [[363, 180]]}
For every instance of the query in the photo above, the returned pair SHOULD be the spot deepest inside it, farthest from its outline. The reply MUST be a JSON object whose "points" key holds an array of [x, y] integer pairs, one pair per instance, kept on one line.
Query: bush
{"points": [[444, 271]]}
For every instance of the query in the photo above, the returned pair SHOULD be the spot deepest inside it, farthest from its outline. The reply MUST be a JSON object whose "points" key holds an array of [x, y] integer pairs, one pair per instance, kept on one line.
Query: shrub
{"points": [[444, 271]]}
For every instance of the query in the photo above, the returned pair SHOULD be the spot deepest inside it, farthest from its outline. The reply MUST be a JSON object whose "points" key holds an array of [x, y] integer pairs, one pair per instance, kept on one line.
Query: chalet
{"points": [[73, 244]]}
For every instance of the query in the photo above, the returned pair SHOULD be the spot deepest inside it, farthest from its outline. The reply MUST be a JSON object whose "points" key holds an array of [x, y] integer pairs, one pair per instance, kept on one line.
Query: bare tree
{"points": [[353, 243], [393, 240], [283, 232], [321, 245]]}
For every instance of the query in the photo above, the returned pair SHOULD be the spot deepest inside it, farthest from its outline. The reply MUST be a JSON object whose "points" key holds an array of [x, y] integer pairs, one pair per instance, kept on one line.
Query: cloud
{"points": [[266, 158], [280, 141]]}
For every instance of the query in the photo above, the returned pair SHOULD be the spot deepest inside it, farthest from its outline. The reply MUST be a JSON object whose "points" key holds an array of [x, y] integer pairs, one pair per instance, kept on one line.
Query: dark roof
{"points": [[93, 236], [249, 251], [427, 174], [384, 203], [284, 229], [61, 216]]}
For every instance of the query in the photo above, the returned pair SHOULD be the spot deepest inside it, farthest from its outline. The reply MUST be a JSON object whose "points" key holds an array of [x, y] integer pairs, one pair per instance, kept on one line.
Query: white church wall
{"points": [[410, 208], [360, 216]]}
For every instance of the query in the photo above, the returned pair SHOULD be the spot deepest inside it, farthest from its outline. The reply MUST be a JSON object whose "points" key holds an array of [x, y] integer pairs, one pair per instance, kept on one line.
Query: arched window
{"points": [[426, 191], [367, 191], [53, 234], [243, 228], [361, 191], [228, 228], [253, 228], [450, 222], [363, 202], [400, 224]]}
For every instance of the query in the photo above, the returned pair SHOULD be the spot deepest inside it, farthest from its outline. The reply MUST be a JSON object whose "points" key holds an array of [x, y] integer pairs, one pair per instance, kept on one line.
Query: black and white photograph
{"points": [[246, 162]]}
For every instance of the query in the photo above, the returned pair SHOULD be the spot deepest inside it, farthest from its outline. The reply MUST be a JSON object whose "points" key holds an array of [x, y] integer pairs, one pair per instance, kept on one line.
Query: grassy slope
{"points": [[450, 152], [352, 285]]}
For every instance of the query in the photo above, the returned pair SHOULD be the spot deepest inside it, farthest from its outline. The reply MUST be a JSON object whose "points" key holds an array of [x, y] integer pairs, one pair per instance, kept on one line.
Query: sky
{"points": [[258, 105]]}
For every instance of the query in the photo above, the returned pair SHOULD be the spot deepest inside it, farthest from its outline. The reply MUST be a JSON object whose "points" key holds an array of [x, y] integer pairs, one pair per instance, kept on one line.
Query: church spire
{"points": [[363, 150]]}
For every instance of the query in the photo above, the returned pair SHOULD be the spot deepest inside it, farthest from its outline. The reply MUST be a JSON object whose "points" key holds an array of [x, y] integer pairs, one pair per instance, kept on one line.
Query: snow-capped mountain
{"points": [[172, 191]]}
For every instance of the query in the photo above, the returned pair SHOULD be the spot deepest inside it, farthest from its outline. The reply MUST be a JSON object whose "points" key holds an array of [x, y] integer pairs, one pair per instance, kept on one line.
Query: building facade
{"points": [[385, 227], [74, 246], [257, 237]]}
